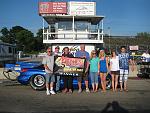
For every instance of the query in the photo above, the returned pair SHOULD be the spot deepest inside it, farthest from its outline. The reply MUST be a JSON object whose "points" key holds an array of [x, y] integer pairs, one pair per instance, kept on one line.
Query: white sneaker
{"points": [[80, 90], [52, 92], [87, 90], [47, 93]]}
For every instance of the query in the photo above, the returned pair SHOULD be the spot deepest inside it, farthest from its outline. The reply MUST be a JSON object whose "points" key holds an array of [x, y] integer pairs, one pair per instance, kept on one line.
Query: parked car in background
{"points": [[143, 69]]}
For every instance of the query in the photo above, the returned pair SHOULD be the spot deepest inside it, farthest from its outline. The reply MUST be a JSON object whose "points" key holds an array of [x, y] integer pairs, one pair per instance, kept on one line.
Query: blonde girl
{"points": [[103, 69], [94, 60]]}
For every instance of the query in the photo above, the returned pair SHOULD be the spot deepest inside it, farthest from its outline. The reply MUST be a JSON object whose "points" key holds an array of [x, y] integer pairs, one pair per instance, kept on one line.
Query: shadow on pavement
{"points": [[115, 108]]}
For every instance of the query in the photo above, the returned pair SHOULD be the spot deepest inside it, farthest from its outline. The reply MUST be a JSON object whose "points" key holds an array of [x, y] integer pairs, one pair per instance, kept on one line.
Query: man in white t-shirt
{"points": [[48, 62]]}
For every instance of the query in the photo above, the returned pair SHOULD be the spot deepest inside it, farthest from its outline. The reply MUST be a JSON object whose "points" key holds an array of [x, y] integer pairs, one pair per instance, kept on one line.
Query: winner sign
{"points": [[70, 66]]}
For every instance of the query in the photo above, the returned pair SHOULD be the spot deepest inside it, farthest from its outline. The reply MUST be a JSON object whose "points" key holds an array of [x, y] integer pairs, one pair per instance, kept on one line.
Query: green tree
{"points": [[6, 35], [25, 40], [39, 40]]}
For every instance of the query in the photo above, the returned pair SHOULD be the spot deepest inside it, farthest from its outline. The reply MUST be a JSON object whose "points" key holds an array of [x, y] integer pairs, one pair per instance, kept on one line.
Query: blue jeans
{"points": [[94, 77], [57, 83]]}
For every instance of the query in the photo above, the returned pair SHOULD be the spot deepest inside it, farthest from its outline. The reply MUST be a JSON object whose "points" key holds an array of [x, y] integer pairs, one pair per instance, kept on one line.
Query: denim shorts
{"points": [[50, 77]]}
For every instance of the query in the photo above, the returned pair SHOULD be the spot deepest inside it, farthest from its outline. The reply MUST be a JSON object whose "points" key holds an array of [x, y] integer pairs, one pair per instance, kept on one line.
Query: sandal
{"points": [[65, 91], [126, 90], [70, 91], [103, 91], [121, 90]]}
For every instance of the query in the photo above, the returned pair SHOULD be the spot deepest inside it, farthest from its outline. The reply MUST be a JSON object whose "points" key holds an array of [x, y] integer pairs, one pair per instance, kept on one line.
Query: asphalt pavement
{"points": [[16, 98]]}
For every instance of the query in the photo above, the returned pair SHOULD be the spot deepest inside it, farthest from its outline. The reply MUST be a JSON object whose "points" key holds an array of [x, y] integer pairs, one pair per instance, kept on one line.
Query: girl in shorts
{"points": [[114, 68], [103, 68]]}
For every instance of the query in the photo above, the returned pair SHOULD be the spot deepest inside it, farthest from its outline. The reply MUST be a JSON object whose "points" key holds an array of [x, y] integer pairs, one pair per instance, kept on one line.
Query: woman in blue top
{"points": [[94, 60], [103, 68]]}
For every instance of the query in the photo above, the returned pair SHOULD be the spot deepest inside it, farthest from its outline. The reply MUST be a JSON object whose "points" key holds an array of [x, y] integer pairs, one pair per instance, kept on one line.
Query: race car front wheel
{"points": [[37, 82]]}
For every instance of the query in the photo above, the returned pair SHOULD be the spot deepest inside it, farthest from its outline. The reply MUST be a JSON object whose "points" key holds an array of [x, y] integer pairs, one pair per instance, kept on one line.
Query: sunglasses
{"points": [[49, 51], [93, 53]]}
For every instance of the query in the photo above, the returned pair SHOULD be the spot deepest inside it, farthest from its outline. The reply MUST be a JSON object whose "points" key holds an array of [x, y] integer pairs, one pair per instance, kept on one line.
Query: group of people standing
{"points": [[96, 65]]}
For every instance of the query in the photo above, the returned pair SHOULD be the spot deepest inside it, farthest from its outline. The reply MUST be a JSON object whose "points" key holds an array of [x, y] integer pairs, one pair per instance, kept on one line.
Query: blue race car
{"points": [[20, 65], [11, 71], [35, 77]]}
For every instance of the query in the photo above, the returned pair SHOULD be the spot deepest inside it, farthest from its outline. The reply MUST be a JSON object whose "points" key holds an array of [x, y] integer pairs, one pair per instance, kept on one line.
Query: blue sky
{"points": [[124, 17]]}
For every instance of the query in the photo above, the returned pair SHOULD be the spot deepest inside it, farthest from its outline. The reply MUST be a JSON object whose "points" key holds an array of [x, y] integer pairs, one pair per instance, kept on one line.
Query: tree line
{"points": [[23, 38], [142, 39], [28, 43]]}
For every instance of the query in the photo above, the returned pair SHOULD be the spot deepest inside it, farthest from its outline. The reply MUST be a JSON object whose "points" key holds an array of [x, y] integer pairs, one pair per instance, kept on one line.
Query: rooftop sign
{"points": [[52, 7], [82, 8]]}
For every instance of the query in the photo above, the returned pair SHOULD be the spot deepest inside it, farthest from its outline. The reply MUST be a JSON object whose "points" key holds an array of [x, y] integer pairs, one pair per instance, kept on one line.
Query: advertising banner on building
{"points": [[69, 66], [82, 8], [134, 47], [52, 7]]}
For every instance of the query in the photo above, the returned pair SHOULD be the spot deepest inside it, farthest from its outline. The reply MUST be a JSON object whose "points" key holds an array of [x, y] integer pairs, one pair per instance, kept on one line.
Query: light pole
{"points": [[109, 37]]}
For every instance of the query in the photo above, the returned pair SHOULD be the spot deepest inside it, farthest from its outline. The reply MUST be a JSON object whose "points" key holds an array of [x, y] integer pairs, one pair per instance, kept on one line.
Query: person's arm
{"points": [[107, 63], [87, 66], [131, 61], [132, 64], [110, 67], [98, 68], [77, 54], [46, 67]]}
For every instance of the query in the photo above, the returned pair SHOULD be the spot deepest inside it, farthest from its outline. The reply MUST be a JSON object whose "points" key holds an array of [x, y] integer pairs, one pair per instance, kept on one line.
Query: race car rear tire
{"points": [[37, 82]]}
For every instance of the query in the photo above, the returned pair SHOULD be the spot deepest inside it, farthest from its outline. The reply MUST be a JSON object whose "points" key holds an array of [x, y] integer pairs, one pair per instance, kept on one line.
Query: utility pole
{"points": [[109, 38]]}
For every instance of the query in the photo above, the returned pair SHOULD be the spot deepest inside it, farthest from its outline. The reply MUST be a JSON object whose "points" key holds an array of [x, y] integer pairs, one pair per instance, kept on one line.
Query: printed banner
{"points": [[52, 8], [70, 66]]}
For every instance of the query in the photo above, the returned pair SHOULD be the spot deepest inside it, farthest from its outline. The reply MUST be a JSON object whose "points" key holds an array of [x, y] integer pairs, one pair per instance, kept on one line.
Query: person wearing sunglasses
{"points": [[94, 60], [103, 69], [48, 62]]}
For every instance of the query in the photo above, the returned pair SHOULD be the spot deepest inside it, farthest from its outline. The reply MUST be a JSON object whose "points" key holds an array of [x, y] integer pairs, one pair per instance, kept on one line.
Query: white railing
{"points": [[70, 34]]}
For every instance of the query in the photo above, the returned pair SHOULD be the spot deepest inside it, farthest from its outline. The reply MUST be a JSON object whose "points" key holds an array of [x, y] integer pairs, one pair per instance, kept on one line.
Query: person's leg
{"points": [[96, 81], [121, 79], [52, 79], [86, 79], [47, 84], [65, 84], [92, 80], [125, 80], [79, 84], [57, 82], [112, 81], [70, 84], [102, 81], [116, 82]]}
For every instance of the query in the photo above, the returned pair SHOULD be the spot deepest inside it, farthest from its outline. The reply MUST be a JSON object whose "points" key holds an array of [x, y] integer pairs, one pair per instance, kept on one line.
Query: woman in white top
{"points": [[114, 68]]}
